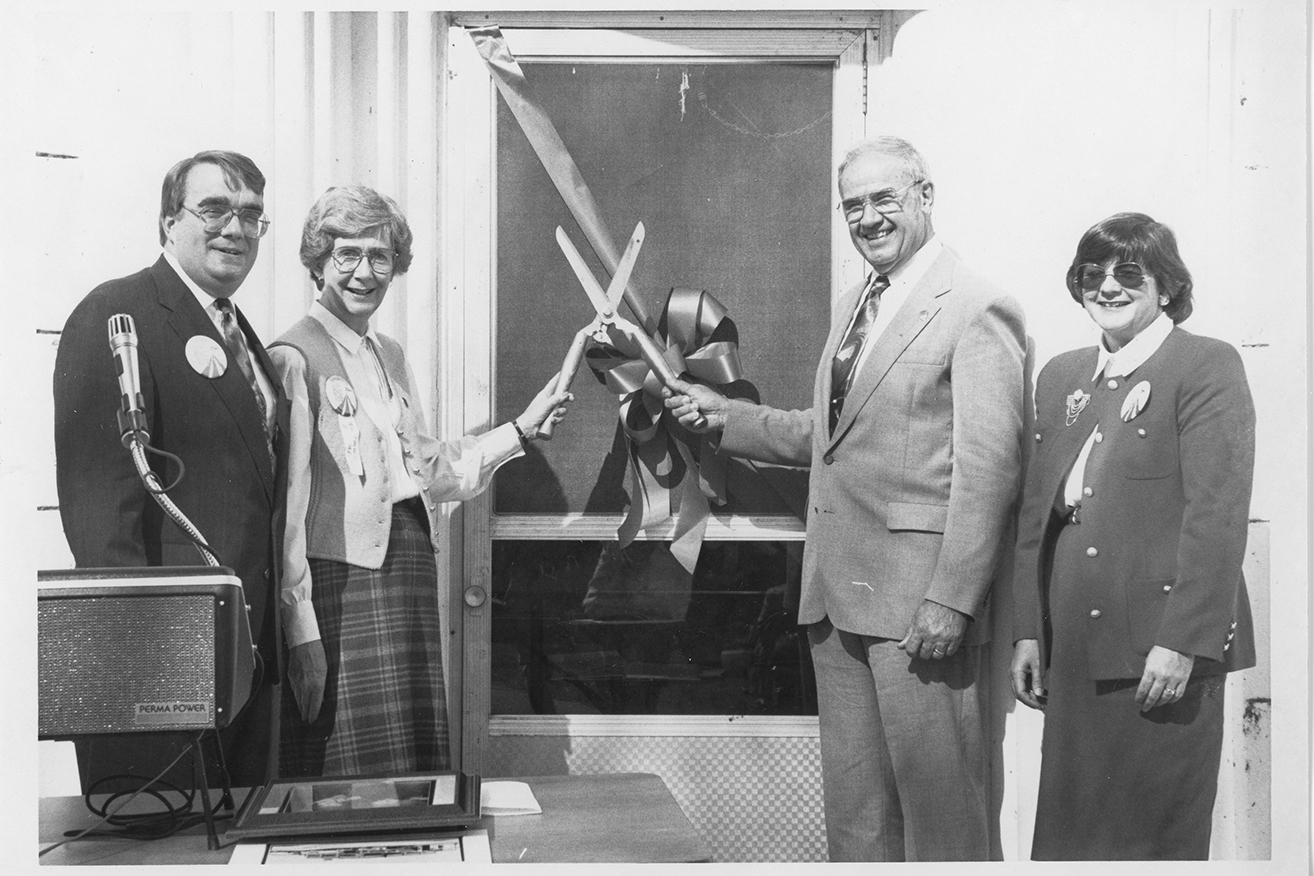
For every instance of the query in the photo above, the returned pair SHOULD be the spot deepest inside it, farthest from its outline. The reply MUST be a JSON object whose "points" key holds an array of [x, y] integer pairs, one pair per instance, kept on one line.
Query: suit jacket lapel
{"points": [[917, 311], [187, 319]]}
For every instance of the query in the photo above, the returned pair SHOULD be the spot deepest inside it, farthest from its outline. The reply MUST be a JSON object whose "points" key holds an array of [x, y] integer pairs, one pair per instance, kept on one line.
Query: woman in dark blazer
{"points": [[360, 582], [1129, 597]]}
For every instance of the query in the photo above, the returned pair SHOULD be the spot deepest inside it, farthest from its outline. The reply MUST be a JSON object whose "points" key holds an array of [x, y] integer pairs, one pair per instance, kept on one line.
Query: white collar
{"points": [[911, 272], [205, 299], [339, 331], [1134, 353]]}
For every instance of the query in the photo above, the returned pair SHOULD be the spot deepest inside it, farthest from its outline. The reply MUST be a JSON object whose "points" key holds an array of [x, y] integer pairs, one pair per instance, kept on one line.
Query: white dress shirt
{"points": [[902, 281]]}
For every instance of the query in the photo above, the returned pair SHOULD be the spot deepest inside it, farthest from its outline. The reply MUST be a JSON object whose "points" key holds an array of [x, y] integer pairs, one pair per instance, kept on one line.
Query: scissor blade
{"points": [[621, 278], [585, 276]]}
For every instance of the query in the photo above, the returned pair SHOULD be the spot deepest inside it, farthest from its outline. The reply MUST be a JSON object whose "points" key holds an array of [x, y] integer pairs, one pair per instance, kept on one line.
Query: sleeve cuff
{"points": [[299, 623]]}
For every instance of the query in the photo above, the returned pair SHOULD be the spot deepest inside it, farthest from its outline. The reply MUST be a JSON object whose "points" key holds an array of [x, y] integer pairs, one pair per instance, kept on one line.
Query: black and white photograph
{"points": [[778, 435]]}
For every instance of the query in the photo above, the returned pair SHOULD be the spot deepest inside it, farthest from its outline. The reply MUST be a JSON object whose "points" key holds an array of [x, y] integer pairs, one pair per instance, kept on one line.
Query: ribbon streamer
{"points": [[699, 338], [689, 339], [552, 152]]}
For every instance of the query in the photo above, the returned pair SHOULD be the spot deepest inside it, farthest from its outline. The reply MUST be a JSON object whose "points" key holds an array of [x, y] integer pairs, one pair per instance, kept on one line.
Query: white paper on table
{"points": [[507, 798]]}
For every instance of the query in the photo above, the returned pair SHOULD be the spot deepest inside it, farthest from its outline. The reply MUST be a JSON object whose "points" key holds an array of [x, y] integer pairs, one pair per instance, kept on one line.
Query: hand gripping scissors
{"points": [[604, 304]]}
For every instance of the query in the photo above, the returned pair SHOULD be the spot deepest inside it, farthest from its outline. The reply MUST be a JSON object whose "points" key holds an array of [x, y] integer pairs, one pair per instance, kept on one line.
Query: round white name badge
{"points": [[206, 357]]}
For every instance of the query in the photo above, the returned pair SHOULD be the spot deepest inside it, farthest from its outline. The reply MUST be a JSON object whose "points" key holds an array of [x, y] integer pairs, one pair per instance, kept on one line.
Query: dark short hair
{"points": [[238, 171], [893, 147], [1135, 237], [352, 211]]}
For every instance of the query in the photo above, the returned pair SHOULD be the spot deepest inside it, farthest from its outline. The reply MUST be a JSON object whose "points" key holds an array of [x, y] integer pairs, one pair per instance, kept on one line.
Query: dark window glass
{"points": [[585, 628]]}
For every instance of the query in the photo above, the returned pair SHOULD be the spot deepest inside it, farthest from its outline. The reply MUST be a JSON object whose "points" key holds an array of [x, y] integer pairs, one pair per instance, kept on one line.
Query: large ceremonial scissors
{"points": [[604, 304]]}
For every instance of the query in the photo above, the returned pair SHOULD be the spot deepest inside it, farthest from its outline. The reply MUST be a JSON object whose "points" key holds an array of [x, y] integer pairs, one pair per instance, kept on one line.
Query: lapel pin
{"points": [[1076, 404], [1136, 401]]}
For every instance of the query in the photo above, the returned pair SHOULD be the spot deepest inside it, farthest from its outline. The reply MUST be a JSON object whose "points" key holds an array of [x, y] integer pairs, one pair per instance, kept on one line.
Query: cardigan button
{"points": [[1140, 432], [1167, 588], [1038, 438], [1092, 552], [1095, 613], [1098, 437], [1087, 491], [828, 459], [1113, 384]]}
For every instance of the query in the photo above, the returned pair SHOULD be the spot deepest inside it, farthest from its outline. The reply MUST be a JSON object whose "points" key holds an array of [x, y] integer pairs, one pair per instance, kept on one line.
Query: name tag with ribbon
{"points": [[342, 398]]}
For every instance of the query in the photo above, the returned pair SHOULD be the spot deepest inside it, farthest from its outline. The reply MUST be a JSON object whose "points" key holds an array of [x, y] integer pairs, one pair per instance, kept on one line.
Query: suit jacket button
{"points": [[1038, 438], [1140, 432], [1167, 587], [828, 459], [1098, 437], [1092, 552], [1113, 384], [1087, 491], [1095, 613]]}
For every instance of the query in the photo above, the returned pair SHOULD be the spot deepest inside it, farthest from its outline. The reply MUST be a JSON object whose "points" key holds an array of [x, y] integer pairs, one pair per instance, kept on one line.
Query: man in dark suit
{"points": [[914, 446], [213, 399]]}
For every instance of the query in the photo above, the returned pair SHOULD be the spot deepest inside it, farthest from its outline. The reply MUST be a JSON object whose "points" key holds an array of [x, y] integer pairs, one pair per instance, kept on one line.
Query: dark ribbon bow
{"points": [[699, 338]]}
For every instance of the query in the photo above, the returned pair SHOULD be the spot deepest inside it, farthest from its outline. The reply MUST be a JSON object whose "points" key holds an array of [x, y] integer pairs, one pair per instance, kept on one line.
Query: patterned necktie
{"points": [[846, 357], [237, 346]]}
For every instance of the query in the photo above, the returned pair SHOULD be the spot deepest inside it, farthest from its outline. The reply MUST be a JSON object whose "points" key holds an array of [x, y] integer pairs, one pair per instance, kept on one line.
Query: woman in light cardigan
{"points": [[359, 598]]}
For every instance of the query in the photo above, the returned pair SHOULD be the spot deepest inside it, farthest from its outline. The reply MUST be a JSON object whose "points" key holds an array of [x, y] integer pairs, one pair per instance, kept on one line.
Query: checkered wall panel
{"points": [[753, 799]]}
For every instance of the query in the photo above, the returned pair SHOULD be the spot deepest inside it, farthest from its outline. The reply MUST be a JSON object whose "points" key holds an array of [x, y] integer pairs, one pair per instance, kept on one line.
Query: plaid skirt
{"points": [[385, 705]]}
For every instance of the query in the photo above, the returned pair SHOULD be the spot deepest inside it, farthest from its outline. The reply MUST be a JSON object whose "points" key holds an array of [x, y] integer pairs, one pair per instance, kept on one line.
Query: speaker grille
{"points": [[126, 664]]}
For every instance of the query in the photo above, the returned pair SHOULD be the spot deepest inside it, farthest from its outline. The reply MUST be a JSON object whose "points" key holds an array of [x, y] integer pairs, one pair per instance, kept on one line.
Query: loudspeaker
{"points": [[141, 650]]}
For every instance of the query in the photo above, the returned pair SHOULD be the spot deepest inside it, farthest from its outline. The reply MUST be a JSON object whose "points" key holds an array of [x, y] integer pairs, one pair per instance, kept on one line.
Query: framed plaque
{"points": [[339, 805]]}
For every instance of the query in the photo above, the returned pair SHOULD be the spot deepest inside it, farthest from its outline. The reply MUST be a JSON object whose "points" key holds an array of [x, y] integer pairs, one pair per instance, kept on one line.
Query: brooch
{"points": [[1076, 404], [1136, 401]]}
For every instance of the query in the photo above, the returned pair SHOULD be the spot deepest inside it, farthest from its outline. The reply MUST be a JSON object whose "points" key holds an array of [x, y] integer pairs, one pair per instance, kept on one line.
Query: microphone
{"points": [[132, 409]]}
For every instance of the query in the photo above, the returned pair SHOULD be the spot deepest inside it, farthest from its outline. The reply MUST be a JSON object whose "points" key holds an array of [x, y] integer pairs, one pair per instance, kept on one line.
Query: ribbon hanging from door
{"points": [[688, 335]]}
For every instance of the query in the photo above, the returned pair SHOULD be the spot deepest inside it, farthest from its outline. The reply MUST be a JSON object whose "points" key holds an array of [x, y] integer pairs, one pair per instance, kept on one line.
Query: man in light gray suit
{"points": [[914, 445]]}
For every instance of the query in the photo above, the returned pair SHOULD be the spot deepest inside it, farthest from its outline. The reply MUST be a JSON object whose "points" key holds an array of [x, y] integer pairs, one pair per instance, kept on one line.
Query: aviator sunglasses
{"points": [[1089, 278]]}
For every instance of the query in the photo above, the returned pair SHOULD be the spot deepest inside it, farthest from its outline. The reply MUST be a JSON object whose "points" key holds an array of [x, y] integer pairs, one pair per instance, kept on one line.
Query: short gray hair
{"points": [[894, 147], [352, 211]]}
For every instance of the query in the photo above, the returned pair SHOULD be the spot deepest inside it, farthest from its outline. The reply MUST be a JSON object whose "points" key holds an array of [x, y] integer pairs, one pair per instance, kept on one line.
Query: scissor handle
{"points": [[569, 366], [653, 357]]}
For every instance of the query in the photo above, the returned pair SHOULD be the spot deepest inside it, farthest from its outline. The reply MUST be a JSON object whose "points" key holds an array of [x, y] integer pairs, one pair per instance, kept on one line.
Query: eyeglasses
{"points": [[1089, 278], [254, 223], [347, 259], [884, 202]]}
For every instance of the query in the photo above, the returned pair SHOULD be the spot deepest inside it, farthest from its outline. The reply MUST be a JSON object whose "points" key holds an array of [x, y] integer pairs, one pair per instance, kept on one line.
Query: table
{"points": [[613, 818]]}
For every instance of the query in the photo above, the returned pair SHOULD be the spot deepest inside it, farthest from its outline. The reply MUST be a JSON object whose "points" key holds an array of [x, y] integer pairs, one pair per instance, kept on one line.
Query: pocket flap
{"points": [[915, 515]]}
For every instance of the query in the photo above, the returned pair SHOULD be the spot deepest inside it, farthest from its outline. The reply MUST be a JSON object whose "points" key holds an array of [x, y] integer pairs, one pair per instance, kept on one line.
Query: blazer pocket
{"points": [[1146, 598], [915, 516]]}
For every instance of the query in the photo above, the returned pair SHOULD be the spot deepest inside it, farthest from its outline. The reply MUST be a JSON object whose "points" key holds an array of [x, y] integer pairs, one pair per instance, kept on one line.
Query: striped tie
{"points": [[846, 357], [237, 346]]}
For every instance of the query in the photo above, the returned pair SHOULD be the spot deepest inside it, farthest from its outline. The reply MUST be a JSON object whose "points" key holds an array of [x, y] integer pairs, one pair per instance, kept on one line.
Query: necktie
{"points": [[846, 357], [237, 346]]}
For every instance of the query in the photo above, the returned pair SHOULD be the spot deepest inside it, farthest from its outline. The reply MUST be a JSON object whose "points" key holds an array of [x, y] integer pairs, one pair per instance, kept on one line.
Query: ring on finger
{"points": [[1171, 692]]}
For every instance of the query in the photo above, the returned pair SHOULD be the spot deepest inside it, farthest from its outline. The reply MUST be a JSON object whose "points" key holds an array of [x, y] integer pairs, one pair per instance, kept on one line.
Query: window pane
{"points": [[583, 628], [728, 167]]}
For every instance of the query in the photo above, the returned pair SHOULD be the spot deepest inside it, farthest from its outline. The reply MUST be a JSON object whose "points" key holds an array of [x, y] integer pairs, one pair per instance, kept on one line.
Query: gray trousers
{"points": [[904, 765]]}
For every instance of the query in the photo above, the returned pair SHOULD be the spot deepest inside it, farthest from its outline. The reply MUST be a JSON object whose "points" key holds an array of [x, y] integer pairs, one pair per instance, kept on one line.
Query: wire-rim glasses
{"points": [[884, 202], [381, 261], [254, 223]]}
